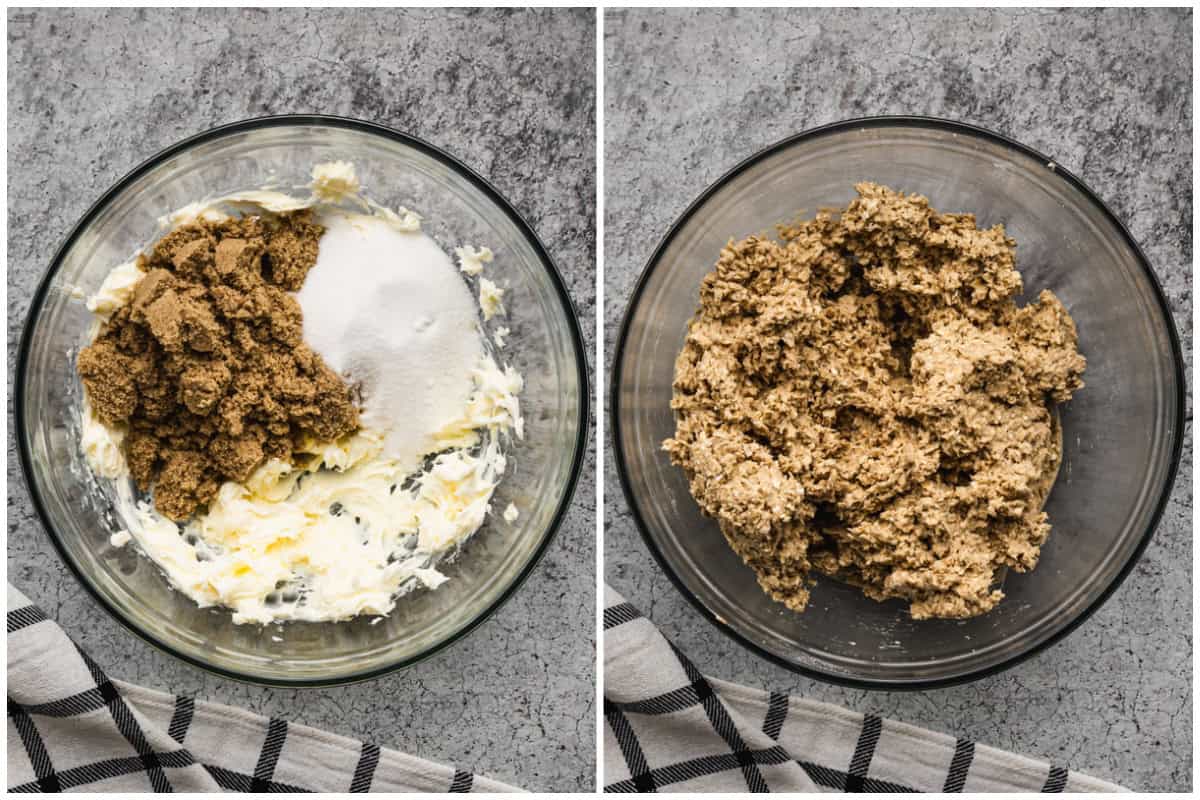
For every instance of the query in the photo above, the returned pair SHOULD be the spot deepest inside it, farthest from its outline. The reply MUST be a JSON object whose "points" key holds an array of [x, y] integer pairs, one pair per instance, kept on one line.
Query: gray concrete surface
{"points": [[1105, 93], [93, 93]]}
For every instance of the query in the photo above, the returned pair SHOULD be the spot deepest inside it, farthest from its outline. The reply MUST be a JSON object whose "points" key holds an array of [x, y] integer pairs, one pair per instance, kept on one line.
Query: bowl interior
{"points": [[1120, 432], [544, 346]]}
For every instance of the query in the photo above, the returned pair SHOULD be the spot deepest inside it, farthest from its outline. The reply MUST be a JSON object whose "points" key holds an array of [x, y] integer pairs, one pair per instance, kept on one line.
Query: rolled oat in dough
{"points": [[864, 399]]}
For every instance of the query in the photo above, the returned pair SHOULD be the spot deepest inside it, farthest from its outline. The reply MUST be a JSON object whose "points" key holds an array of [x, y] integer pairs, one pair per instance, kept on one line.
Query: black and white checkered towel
{"points": [[672, 729], [71, 727]]}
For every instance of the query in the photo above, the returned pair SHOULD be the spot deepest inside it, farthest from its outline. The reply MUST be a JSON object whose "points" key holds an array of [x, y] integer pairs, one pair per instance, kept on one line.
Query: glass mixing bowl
{"points": [[1121, 433], [458, 206]]}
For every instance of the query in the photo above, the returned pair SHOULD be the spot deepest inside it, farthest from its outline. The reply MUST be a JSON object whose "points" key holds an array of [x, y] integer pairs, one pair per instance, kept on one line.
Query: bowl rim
{"points": [[884, 122], [291, 120]]}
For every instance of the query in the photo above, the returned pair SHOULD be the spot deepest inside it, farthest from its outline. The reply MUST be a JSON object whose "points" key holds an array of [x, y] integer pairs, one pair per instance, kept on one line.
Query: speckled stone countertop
{"points": [[93, 93], [1106, 94]]}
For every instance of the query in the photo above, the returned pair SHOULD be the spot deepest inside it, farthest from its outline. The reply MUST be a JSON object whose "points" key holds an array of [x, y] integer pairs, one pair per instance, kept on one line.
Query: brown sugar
{"points": [[864, 399], [207, 364]]}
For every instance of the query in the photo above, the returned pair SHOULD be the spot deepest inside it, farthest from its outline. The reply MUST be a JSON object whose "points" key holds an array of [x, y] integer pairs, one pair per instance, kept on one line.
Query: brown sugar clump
{"points": [[207, 364], [292, 253]]}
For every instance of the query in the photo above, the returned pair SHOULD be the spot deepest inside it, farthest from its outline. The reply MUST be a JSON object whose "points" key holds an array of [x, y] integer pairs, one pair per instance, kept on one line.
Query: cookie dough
{"points": [[864, 399]]}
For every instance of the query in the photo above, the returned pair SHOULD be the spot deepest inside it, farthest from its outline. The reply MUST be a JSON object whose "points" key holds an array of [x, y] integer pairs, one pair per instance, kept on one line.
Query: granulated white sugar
{"points": [[388, 309]]}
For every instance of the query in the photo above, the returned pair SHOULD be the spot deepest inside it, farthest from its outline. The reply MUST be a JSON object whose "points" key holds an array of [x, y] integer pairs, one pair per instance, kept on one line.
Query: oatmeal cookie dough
{"points": [[864, 399]]}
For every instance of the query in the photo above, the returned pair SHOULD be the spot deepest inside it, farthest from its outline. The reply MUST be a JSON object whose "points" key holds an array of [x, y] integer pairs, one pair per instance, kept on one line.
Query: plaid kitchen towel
{"points": [[71, 727], [670, 728]]}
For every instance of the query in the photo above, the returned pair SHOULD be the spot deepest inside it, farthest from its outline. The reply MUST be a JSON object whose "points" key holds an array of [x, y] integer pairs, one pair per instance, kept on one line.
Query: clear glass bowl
{"points": [[458, 206], [1122, 433]]}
